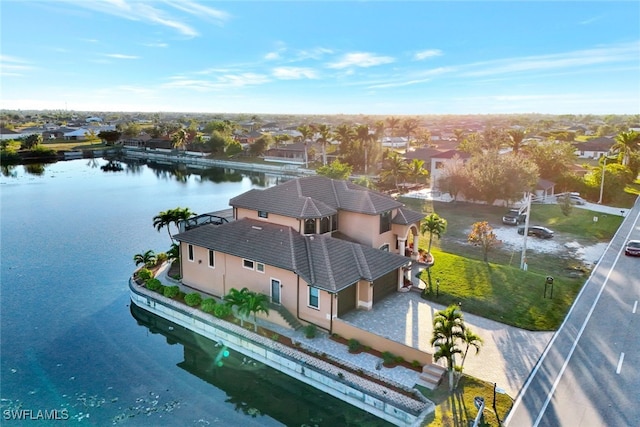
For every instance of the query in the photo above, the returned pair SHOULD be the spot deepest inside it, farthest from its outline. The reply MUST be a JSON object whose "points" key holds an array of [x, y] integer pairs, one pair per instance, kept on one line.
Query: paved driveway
{"points": [[506, 358]]}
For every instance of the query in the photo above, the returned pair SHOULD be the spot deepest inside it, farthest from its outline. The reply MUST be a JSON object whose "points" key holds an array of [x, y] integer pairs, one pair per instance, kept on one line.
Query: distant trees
{"points": [[32, 141], [110, 137], [394, 168], [335, 170], [626, 143]]}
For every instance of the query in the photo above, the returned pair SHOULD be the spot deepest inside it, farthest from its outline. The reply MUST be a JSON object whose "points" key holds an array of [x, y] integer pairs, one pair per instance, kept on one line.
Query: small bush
{"points": [[222, 311], [153, 284], [416, 364], [144, 274], [208, 305], [193, 299], [310, 331], [171, 291], [161, 289], [161, 258], [389, 358], [275, 337], [354, 345]]}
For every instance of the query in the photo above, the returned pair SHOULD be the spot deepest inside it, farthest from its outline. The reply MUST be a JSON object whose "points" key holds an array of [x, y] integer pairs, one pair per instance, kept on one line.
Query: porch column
{"points": [[400, 278], [402, 245], [416, 241]]}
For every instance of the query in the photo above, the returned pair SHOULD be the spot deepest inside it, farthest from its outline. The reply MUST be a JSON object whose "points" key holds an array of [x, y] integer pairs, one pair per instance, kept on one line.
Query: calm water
{"points": [[69, 338]]}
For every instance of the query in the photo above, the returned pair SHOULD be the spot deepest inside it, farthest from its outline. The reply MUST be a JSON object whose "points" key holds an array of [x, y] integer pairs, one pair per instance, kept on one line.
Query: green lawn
{"points": [[499, 289], [75, 145]]}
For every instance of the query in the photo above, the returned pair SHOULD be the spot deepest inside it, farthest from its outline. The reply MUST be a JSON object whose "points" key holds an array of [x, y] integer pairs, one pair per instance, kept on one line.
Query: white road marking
{"points": [[620, 363], [635, 307]]}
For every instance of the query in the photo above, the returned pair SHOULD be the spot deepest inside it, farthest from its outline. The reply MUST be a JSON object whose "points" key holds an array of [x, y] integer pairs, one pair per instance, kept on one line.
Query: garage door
{"points": [[346, 300], [384, 286]]}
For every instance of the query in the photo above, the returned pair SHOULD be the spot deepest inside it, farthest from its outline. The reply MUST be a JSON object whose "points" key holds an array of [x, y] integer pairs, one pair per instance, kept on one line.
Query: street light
{"points": [[497, 389]]}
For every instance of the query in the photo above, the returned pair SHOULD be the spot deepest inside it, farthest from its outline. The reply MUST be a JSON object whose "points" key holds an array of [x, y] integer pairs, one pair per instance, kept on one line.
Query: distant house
{"points": [[77, 135], [439, 161], [6, 134], [290, 153], [594, 148], [395, 141]]}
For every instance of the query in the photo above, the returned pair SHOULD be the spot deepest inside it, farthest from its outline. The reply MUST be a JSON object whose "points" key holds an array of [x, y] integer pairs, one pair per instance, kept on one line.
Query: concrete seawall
{"points": [[370, 396]]}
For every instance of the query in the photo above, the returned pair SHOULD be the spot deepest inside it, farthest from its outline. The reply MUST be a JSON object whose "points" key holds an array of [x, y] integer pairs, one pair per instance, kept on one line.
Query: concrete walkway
{"points": [[506, 358]]}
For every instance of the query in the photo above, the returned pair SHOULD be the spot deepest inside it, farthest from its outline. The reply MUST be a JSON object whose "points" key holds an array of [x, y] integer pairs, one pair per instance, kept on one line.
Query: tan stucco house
{"points": [[318, 247]]}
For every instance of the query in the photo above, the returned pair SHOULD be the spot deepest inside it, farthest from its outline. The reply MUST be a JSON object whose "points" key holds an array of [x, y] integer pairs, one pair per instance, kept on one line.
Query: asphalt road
{"points": [[589, 374]]}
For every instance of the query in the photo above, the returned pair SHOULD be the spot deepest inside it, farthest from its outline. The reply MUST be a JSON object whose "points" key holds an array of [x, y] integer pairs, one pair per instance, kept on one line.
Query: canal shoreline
{"points": [[373, 397]]}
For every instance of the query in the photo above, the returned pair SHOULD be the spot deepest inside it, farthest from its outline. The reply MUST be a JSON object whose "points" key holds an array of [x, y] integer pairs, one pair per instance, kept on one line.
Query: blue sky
{"points": [[332, 57]]}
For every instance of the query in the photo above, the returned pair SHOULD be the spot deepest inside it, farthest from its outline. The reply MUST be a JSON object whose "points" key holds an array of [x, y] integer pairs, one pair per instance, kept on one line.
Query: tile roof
{"points": [[314, 197], [406, 216], [322, 261]]}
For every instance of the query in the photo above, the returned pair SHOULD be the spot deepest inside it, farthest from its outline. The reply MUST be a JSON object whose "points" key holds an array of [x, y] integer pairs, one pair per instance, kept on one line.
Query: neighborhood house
{"points": [[318, 247]]}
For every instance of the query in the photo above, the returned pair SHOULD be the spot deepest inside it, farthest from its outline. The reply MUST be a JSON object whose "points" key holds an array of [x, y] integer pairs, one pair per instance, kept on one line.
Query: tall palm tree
{"points": [[395, 168], [325, 134], [180, 214], [470, 339], [417, 171], [148, 259], [163, 219], [448, 329], [459, 134], [364, 136], [434, 225], [392, 123], [516, 136], [306, 132], [179, 138], [409, 126], [626, 143], [345, 134]]}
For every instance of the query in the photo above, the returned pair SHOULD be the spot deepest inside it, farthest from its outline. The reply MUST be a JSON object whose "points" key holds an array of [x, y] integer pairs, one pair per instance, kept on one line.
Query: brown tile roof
{"points": [[314, 197], [322, 261]]}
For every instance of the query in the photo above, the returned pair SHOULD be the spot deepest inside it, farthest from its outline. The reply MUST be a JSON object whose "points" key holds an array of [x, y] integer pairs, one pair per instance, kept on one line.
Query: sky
{"points": [[313, 57]]}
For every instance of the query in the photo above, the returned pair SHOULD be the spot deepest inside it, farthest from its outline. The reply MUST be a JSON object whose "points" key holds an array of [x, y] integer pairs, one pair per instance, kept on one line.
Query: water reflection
{"points": [[253, 388], [34, 169]]}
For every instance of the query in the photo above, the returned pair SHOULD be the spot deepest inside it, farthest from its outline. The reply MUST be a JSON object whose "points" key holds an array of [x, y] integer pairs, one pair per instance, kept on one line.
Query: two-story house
{"points": [[317, 246]]}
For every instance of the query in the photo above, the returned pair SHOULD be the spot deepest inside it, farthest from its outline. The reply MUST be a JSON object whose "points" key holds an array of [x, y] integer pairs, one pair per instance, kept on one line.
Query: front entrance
{"points": [[275, 291]]}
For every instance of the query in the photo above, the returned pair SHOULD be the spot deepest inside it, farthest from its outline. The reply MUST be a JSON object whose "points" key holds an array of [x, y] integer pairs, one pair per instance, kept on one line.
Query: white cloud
{"points": [[576, 59], [361, 59], [315, 53], [294, 73], [430, 53], [121, 56], [158, 44], [199, 10], [224, 81], [271, 56], [11, 66]]}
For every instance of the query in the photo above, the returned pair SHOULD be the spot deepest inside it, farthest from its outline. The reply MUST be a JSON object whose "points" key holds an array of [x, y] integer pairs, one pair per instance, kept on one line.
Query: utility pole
{"points": [[523, 258]]}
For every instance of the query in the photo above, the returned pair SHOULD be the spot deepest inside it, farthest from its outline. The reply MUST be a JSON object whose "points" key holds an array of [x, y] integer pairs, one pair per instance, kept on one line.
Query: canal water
{"points": [[70, 340]]}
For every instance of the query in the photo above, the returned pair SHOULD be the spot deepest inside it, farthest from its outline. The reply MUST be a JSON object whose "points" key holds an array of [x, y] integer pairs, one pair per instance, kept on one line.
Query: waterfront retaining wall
{"points": [[365, 394]]}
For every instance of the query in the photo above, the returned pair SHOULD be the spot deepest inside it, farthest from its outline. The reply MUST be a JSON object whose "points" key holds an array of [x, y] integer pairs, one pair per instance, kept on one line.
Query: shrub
{"points": [[310, 331], [416, 364], [153, 284], [208, 305], [354, 345], [275, 337], [161, 258], [222, 311], [193, 299], [144, 274], [390, 359], [161, 289], [171, 291]]}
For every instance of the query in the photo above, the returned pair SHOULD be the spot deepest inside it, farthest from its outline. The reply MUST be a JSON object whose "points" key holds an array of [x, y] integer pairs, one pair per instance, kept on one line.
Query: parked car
{"points": [[632, 248], [514, 217], [574, 198], [537, 231]]}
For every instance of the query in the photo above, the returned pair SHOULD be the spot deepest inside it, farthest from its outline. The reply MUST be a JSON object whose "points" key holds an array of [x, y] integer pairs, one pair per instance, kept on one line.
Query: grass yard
{"points": [[75, 145], [458, 410], [499, 289]]}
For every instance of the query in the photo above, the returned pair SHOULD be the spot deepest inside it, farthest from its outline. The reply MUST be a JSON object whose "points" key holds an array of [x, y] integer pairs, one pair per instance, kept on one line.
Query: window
{"points": [[212, 259], [325, 224], [310, 226], [385, 222], [314, 297], [247, 263], [263, 214], [439, 165], [260, 267], [334, 222], [190, 247]]}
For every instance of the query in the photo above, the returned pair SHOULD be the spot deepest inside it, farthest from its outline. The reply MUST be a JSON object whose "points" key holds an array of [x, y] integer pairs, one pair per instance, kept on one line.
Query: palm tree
{"points": [[163, 219], [253, 304], [325, 134], [237, 298], [306, 132], [392, 123], [179, 138], [516, 136], [470, 339], [459, 135], [180, 214], [395, 168], [626, 143], [417, 170], [174, 252], [448, 329], [364, 136], [345, 134], [148, 259], [409, 126], [434, 225]]}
